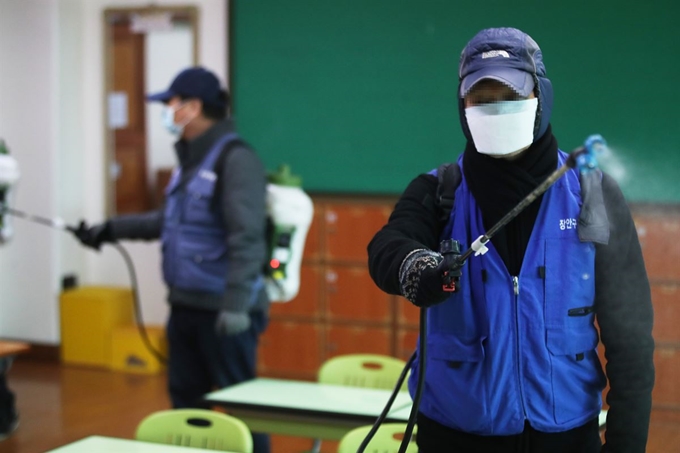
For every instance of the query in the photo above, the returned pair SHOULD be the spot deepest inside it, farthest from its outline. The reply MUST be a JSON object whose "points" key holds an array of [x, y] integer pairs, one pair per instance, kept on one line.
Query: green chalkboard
{"points": [[359, 96]]}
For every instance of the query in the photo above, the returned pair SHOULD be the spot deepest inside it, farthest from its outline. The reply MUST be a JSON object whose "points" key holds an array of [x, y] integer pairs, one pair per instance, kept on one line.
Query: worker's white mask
{"points": [[168, 118], [502, 128]]}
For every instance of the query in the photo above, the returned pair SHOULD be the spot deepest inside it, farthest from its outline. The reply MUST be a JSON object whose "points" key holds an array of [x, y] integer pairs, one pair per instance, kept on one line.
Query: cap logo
{"points": [[495, 53]]}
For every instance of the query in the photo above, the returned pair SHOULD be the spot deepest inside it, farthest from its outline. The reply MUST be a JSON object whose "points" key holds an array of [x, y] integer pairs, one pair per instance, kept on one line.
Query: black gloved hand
{"points": [[422, 278], [95, 235]]}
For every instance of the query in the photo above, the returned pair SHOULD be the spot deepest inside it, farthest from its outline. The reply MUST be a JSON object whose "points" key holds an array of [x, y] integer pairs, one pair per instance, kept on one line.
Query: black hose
{"points": [[60, 225], [388, 406], [137, 306], [421, 382]]}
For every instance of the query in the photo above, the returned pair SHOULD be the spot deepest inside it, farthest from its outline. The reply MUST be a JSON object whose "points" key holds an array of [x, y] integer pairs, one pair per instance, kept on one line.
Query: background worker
{"points": [[212, 230]]}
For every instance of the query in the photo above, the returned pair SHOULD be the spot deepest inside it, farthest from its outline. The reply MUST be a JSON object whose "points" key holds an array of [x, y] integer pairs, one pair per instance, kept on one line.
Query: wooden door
{"points": [[132, 193]]}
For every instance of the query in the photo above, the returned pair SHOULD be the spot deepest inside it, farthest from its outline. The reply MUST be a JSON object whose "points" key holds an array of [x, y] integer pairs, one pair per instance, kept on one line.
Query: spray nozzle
{"points": [[594, 146]]}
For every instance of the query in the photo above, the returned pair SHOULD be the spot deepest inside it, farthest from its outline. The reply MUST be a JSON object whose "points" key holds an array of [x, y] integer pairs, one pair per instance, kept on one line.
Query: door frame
{"points": [[189, 13]]}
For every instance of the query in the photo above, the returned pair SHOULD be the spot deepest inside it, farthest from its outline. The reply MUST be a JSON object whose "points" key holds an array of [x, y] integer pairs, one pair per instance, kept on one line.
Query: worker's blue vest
{"points": [[194, 236], [507, 349]]}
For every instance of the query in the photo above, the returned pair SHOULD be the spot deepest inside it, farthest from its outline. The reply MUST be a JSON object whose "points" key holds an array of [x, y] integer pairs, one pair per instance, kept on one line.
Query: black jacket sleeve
{"points": [[624, 314], [242, 195], [413, 225], [145, 226]]}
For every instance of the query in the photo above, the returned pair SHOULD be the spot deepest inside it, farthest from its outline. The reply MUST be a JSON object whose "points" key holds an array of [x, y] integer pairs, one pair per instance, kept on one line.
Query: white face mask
{"points": [[502, 128], [168, 118]]}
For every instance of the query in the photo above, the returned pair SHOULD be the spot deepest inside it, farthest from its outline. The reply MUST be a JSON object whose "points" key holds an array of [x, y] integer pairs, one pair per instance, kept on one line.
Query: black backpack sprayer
{"points": [[582, 158]]}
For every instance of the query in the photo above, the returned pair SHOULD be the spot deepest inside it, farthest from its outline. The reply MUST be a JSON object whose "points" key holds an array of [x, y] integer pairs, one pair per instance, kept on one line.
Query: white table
{"points": [[304, 409], [399, 415], [100, 444]]}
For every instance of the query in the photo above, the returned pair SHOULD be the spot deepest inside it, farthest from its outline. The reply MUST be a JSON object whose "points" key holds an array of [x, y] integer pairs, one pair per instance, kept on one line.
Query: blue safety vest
{"points": [[194, 237], [505, 349]]}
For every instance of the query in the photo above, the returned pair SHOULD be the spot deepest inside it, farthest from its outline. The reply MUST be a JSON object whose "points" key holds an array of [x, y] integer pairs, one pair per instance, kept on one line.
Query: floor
{"points": [[60, 404]]}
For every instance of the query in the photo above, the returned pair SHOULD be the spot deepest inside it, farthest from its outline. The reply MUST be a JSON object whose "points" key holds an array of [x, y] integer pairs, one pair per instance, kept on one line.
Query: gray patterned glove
{"points": [[421, 278], [232, 322]]}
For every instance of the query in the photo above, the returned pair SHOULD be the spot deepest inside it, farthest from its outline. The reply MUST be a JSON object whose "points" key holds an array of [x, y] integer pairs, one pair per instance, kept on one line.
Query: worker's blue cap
{"points": [[507, 55], [194, 82]]}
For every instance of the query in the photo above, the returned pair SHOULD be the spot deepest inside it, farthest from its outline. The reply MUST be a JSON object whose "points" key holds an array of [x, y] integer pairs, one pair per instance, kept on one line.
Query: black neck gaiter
{"points": [[498, 185]]}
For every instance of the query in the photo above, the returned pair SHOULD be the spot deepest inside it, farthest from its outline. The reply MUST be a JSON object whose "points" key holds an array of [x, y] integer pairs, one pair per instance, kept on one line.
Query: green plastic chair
{"points": [[362, 370], [198, 428], [387, 439]]}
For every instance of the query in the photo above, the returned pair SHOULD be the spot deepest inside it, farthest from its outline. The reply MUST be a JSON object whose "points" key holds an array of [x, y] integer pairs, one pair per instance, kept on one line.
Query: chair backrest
{"points": [[198, 428], [362, 370], [387, 439]]}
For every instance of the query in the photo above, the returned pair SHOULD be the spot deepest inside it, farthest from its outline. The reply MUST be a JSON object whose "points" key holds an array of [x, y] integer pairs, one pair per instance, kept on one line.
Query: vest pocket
{"points": [[569, 273], [455, 373], [575, 372], [200, 210], [203, 265], [581, 311]]}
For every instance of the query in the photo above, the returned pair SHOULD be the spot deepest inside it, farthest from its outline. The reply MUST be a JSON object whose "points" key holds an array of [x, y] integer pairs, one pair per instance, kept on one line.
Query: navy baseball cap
{"points": [[194, 82], [507, 55]]}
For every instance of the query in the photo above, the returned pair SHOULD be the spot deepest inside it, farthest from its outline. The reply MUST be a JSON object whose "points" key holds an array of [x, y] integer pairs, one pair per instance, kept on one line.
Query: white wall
{"points": [[52, 116], [28, 123], [167, 53]]}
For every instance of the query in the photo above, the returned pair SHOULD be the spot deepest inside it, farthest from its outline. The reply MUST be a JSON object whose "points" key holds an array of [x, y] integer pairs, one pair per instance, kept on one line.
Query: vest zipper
{"points": [[515, 290]]}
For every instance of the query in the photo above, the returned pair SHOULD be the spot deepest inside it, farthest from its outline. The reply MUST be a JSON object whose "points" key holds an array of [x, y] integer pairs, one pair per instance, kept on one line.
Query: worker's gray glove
{"points": [[232, 322], [421, 278], [93, 236]]}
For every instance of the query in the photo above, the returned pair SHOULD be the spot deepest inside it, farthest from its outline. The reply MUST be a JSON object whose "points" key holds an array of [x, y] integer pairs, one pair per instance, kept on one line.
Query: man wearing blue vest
{"points": [[212, 230], [511, 358]]}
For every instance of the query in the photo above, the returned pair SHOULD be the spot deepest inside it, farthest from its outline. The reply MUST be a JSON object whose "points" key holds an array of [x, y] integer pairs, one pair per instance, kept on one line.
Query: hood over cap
{"points": [[510, 56]]}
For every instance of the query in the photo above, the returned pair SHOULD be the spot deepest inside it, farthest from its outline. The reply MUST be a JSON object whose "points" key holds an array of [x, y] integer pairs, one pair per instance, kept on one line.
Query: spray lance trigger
{"points": [[451, 264]]}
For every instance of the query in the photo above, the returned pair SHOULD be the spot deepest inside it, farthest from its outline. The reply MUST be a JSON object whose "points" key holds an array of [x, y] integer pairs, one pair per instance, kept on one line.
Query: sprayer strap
{"points": [[449, 177]]}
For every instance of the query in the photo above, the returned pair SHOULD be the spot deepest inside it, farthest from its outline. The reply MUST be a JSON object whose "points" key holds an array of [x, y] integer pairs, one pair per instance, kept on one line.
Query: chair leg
{"points": [[316, 448]]}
